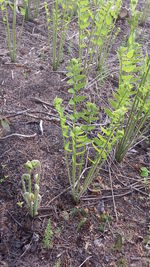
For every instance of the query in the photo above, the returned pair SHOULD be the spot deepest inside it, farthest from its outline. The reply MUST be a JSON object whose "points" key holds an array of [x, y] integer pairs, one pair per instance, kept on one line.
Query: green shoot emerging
{"points": [[32, 199]]}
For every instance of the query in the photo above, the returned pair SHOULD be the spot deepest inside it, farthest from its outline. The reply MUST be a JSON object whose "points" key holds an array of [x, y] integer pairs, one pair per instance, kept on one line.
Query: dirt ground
{"points": [[27, 89]]}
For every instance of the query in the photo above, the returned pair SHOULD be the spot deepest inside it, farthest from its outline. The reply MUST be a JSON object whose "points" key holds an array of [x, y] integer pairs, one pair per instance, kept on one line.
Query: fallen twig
{"points": [[85, 261], [19, 135], [107, 197], [14, 114], [37, 100], [111, 183]]}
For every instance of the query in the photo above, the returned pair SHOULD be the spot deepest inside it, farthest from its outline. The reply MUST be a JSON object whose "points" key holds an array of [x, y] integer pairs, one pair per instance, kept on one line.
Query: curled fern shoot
{"points": [[32, 199]]}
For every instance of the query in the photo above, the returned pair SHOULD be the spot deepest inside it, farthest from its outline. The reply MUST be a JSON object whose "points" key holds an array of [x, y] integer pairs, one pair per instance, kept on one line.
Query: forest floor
{"points": [[27, 90]]}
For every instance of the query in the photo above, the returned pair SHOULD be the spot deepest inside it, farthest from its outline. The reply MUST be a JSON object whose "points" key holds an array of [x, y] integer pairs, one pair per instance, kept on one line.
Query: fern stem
{"points": [[14, 32], [74, 146], [55, 31], [92, 171], [80, 170], [8, 35], [62, 38], [133, 118]]}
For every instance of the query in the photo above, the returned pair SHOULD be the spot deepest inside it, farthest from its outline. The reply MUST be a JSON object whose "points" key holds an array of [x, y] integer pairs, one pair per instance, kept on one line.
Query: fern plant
{"points": [[96, 30], [77, 134], [71, 6], [27, 7], [11, 38], [32, 199], [59, 24], [4, 11], [75, 137], [104, 33], [134, 89], [139, 113], [36, 8]]}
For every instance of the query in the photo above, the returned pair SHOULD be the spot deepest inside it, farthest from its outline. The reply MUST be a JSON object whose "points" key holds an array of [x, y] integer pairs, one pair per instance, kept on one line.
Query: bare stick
{"points": [[106, 197], [14, 114], [37, 100], [19, 135]]}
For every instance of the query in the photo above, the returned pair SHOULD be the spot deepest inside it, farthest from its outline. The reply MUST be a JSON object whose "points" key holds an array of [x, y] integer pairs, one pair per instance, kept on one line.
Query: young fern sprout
{"points": [[77, 134], [27, 5], [4, 12], [36, 8], [11, 37], [32, 199]]}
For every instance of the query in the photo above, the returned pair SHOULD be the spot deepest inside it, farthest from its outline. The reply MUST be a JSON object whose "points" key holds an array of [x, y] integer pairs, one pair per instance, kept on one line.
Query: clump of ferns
{"points": [[77, 134], [133, 90], [138, 107]]}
